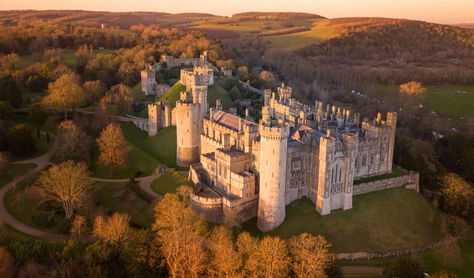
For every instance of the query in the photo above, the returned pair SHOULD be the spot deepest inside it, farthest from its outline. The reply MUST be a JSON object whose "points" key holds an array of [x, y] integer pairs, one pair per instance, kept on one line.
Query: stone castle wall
{"points": [[409, 181]]}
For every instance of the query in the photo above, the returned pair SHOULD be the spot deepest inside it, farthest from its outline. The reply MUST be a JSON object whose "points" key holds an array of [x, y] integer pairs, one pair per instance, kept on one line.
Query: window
{"points": [[364, 160], [296, 165]]}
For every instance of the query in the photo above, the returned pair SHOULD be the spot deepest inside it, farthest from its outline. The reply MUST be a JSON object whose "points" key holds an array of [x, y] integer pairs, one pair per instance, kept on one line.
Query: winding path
{"points": [[41, 163]]}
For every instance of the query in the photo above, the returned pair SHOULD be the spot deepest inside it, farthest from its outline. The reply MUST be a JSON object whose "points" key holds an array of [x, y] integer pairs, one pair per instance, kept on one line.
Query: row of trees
{"points": [[179, 244]]}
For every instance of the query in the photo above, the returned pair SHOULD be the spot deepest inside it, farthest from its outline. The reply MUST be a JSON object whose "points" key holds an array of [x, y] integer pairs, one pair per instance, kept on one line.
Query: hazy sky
{"points": [[442, 11]]}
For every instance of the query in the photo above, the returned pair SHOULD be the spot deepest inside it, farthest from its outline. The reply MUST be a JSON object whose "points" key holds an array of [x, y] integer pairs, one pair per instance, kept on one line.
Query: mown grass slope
{"points": [[384, 220]]}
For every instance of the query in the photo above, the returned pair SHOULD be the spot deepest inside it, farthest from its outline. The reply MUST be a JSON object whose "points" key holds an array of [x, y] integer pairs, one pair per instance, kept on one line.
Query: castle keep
{"points": [[242, 169]]}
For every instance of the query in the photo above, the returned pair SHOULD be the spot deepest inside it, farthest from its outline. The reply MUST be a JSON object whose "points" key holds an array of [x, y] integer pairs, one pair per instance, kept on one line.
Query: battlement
{"points": [[274, 131]]}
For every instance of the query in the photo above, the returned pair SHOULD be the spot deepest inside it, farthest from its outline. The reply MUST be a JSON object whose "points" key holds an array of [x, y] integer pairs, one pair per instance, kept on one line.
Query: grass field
{"points": [[69, 57], [320, 32], [449, 101], [145, 153], [431, 260], [173, 94], [168, 182], [121, 198], [383, 220], [454, 101], [14, 170], [26, 210], [215, 92]]}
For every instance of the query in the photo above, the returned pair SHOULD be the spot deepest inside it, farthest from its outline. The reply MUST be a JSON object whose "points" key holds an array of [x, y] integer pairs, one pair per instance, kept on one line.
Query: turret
{"points": [[267, 94], [327, 147], [154, 119], [273, 153], [188, 127], [218, 104]]}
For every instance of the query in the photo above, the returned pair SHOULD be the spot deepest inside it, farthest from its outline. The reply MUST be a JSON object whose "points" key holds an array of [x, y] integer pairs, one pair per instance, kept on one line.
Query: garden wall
{"points": [[409, 181]]}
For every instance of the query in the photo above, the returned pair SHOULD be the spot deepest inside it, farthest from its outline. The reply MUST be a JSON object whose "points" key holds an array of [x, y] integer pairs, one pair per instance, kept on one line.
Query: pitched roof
{"points": [[229, 120]]}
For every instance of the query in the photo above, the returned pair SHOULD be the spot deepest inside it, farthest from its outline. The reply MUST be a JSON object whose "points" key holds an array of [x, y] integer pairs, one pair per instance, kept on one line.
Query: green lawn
{"points": [[8, 234], [320, 32], [25, 210], [121, 198], [42, 147], [173, 94], [168, 182], [430, 260], [15, 170], [451, 100], [383, 220], [146, 153], [215, 92]]}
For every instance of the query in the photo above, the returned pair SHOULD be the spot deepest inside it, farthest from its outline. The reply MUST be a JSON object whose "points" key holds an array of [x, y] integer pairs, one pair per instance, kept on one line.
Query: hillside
{"points": [[122, 20]]}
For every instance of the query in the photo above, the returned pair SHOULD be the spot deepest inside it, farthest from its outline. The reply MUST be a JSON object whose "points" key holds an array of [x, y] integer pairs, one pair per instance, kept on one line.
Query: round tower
{"points": [[273, 153], [154, 117], [187, 133]]}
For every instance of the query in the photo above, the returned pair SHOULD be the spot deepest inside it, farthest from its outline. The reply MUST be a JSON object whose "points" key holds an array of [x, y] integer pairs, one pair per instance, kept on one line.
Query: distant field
{"points": [[320, 31], [253, 26], [68, 56], [383, 220], [451, 100]]}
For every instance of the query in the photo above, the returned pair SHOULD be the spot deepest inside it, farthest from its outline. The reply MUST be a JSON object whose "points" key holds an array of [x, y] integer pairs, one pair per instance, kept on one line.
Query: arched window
{"points": [[364, 160]]}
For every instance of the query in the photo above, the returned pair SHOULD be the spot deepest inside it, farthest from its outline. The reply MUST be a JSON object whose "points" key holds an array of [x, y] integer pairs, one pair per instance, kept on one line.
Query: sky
{"points": [[439, 11]]}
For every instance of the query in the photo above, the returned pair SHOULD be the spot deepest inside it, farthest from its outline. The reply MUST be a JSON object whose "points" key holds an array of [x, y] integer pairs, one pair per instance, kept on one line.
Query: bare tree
{"points": [[310, 255], [269, 259], [181, 235], [113, 147], [225, 260], [78, 226], [65, 93], [112, 229], [75, 142], [66, 183]]}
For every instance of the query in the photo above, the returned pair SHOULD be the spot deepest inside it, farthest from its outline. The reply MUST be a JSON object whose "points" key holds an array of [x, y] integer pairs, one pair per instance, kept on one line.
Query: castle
{"points": [[242, 169], [148, 75]]}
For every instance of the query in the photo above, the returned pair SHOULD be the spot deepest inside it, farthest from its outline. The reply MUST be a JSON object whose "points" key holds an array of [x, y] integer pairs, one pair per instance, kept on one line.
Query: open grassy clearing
{"points": [[45, 217], [168, 182], [104, 199], [254, 26], [42, 147], [388, 219], [68, 58], [15, 170], [454, 101], [320, 32], [145, 153], [215, 92], [431, 260], [121, 198]]}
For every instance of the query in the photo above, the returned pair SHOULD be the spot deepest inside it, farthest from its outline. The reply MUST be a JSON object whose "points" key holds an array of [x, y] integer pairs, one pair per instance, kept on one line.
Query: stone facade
{"points": [[242, 169], [161, 114], [148, 80], [295, 151]]}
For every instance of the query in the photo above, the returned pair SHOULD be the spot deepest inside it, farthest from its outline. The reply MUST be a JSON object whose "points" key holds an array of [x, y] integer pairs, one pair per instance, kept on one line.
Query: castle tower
{"points": [[327, 147], [188, 123], [392, 123], [148, 81], [200, 96], [273, 153], [267, 94], [154, 118]]}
